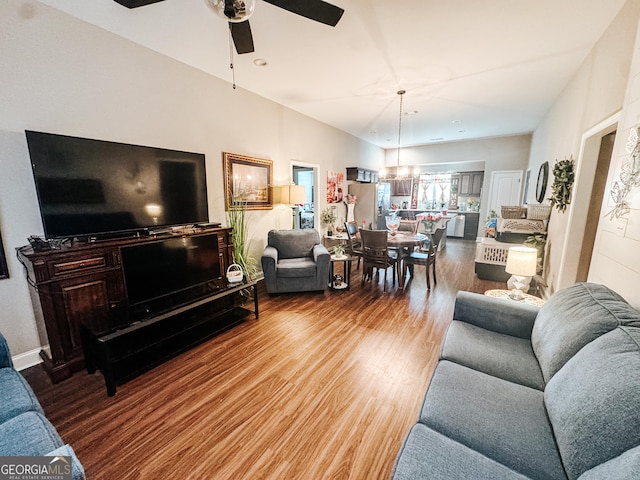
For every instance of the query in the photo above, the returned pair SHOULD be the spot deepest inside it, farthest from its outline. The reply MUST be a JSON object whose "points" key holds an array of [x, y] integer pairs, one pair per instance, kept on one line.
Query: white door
{"points": [[505, 189]]}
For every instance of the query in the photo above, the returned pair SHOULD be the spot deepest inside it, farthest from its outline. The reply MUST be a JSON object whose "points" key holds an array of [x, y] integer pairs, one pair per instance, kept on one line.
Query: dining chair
{"points": [[425, 257], [409, 226], [354, 246], [376, 255]]}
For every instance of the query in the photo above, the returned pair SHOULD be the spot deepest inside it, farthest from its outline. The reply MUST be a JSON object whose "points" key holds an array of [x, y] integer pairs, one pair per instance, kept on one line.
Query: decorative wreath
{"points": [[563, 178]]}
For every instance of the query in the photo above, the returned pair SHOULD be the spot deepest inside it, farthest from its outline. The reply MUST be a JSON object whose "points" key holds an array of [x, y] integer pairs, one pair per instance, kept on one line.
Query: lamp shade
{"points": [[522, 261], [290, 194]]}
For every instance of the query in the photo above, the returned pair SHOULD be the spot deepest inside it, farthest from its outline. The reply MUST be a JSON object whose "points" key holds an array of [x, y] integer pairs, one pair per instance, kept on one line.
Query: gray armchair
{"points": [[295, 261]]}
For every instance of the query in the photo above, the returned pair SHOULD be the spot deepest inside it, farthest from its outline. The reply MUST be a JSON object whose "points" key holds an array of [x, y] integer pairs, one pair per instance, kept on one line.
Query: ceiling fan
{"points": [[237, 13]]}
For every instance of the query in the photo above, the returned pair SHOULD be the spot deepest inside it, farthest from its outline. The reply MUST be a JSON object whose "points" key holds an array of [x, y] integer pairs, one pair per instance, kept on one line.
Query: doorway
{"points": [[504, 189], [587, 199], [305, 175]]}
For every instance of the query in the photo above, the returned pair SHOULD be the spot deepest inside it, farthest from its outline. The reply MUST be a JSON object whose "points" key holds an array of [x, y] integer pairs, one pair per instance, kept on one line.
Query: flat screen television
{"points": [[160, 275], [91, 187]]}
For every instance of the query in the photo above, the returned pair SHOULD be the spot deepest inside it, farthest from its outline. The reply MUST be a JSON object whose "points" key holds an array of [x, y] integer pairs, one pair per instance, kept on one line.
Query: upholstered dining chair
{"points": [[425, 257], [354, 246], [376, 255]]}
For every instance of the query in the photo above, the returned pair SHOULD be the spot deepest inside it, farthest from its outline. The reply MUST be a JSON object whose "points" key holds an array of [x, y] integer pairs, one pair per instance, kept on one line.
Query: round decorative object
{"points": [[543, 179], [234, 273], [238, 11]]}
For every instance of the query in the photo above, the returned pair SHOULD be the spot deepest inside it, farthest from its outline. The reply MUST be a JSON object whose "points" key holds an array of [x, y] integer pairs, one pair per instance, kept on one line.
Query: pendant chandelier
{"points": [[400, 172]]}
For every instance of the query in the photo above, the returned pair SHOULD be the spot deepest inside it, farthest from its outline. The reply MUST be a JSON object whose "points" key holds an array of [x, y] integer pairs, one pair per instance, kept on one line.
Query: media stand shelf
{"points": [[86, 283], [125, 353]]}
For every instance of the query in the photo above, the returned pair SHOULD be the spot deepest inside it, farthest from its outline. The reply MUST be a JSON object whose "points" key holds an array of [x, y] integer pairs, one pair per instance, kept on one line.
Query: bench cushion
{"points": [[504, 421], [429, 454], [503, 356]]}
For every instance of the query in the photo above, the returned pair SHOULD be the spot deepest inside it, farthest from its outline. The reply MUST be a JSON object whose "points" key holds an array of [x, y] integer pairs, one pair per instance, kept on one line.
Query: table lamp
{"points": [[291, 195], [521, 263]]}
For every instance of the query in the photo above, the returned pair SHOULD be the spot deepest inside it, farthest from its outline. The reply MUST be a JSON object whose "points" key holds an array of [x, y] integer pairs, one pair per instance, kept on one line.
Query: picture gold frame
{"points": [[247, 180]]}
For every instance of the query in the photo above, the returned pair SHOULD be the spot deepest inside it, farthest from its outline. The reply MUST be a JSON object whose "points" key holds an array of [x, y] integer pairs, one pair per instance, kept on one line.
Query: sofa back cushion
{"points": [[294, 243], [593, 402], [573, 317]]}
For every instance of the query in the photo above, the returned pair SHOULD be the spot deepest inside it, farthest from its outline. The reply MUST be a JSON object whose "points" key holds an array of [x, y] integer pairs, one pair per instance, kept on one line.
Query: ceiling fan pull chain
{"points": [[233, 71]]}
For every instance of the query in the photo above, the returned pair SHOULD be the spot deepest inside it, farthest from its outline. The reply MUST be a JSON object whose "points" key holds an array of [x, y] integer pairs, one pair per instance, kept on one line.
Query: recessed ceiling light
{"points": [[260, 62], [456, 122]]}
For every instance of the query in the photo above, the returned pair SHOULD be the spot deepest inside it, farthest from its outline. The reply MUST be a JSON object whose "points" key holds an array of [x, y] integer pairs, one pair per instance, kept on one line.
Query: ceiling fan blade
{"points": [[242, 38], [317, 10], [136, 3]]}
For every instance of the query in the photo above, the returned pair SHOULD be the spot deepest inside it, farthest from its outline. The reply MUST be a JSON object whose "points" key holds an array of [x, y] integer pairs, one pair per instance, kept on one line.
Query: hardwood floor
{"points": [[322, 386]]}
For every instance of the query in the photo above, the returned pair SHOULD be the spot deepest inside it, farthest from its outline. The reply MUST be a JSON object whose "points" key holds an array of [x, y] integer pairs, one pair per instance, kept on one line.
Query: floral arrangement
{"points": [[429, 217], [350, 199], [328, 217]]}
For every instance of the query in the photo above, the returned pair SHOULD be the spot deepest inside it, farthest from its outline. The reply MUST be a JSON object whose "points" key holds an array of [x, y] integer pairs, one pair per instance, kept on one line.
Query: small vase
{"points": [[350, 208]]}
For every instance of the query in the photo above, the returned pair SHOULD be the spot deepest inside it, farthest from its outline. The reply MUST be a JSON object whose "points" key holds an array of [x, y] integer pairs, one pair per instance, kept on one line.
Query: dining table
{"points": [[404, 242]]}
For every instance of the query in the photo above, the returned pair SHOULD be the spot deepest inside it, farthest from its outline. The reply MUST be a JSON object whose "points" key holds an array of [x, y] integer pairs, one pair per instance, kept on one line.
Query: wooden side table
{"points": [[526, 298], [345, 283]]}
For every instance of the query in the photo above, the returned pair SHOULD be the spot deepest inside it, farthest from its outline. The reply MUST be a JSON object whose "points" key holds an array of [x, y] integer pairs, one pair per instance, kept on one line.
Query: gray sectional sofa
{"points": [[539, 393], [24, 430]]}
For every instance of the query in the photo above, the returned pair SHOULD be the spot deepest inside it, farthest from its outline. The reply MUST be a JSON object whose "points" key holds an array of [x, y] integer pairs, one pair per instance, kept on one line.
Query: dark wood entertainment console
{"points": [[81, 290]]}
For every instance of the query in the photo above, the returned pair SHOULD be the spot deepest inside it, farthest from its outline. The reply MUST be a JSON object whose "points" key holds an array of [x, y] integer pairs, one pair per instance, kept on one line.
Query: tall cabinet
{"points": [[84, 282]]}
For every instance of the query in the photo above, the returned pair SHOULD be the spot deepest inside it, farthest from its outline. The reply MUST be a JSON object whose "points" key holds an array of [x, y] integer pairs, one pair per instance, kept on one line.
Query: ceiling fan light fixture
{"points": [[234, 11]]}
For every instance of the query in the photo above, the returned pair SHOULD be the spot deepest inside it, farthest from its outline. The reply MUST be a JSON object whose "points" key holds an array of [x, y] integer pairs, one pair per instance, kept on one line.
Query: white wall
{"points": [[595, 93], [616, 256], [64, 76]]}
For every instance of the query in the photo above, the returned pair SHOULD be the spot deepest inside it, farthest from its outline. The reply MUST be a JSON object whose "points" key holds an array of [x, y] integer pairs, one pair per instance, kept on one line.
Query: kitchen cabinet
{"points": [[401, 188], [363, 175], [471, 183]]}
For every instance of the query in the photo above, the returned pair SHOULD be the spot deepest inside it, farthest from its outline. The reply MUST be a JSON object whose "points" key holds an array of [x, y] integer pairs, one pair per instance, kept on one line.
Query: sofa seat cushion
{"points": [[27, 434], [573, 317], [296, 267], [503, 356], [594, 401], [16, 396], [429, 454], [504, 421]]}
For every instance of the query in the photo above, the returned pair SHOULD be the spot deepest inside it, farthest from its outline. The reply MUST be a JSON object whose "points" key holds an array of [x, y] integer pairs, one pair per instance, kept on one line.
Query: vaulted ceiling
{"points": [[470, 68]]}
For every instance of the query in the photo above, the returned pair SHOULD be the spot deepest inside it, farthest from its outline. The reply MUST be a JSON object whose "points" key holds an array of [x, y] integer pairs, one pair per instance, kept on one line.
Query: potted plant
{"points": [[338, 251], [236, 219], [327, 219]]}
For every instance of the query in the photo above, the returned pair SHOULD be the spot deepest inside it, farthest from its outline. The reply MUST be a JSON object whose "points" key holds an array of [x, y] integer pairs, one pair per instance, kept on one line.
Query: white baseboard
{"points": [[27, 359]]}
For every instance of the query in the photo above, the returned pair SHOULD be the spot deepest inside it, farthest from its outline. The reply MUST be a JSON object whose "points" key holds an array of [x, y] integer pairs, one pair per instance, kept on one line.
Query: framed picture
{"points": [[4, 271], [247, 180], [334, 187]]}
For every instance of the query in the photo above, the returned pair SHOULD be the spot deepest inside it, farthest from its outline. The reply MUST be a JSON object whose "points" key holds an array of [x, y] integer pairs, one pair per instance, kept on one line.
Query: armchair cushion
{"points": [[294, 243]]}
